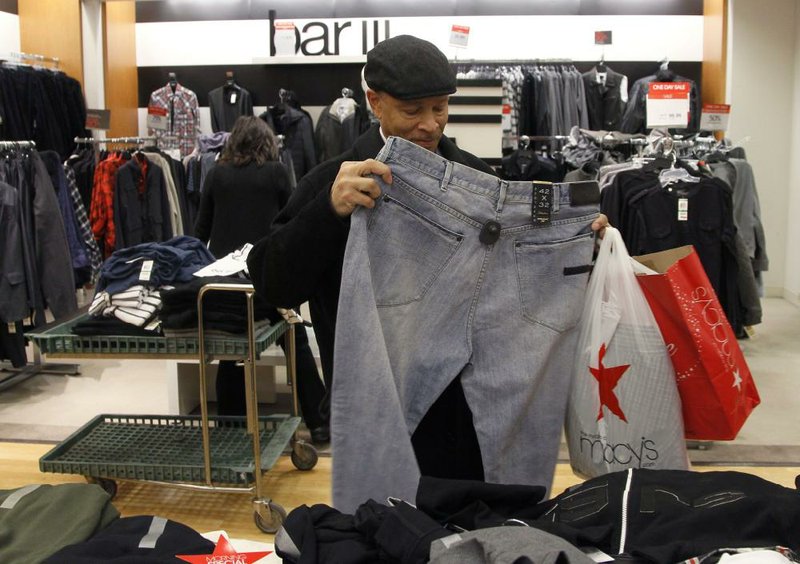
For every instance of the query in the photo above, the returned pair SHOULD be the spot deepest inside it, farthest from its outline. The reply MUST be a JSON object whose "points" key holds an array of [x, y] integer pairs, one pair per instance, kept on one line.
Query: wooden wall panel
{"points": [[715, 50], [53, 28], [121, 77]]}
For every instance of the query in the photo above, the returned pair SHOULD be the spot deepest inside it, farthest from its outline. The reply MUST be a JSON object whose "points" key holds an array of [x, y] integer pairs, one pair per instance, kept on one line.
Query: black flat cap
{"points": [[408, 68]]}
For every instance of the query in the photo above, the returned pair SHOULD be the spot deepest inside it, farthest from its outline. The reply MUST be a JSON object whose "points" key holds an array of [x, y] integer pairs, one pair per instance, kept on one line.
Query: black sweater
{"points": [[238, 203], [301, 260]]}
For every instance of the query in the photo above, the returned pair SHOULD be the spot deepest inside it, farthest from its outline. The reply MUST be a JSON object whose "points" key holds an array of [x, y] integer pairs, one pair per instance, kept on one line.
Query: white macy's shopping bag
{"points": [[624, 410]]}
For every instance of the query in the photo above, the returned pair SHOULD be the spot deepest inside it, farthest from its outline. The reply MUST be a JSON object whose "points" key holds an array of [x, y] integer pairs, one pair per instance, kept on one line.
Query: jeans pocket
{"points": [[548, 296], [407, 252]]}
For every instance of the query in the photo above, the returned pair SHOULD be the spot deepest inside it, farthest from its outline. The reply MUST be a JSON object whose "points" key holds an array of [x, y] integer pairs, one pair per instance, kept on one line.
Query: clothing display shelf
{"points": [[235, 452]]}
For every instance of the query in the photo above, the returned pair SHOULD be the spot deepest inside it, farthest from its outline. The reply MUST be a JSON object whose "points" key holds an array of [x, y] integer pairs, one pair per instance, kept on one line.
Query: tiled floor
{"points": [[50, 407]]}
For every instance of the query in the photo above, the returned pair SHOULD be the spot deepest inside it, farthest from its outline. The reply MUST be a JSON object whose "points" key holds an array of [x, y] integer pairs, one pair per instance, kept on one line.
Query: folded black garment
{"points": [[110, 326], [140, 539], [211, 320], [184, 297]]}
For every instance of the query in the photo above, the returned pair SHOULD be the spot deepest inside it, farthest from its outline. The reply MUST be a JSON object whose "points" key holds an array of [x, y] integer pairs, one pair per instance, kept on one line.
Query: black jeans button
{"points": [[490, 233]]}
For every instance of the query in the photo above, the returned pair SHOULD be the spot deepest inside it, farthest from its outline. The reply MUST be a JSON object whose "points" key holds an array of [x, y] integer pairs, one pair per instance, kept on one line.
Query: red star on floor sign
{"points": [[607, 378], [224, 554]]}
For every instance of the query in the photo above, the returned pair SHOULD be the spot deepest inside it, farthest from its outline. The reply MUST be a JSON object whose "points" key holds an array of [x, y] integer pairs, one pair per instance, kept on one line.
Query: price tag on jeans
{"points": [[668, 104], [715, 117], [459, 36]]}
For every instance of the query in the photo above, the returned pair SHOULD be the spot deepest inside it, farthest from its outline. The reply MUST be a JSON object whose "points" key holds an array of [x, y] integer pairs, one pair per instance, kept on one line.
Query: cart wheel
{"points": [[272, 521], [110, 486], [304, 456]]}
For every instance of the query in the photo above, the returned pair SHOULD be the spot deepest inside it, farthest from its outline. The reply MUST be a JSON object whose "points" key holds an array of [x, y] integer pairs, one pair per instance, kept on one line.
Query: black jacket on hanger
{"points": [[141, 208], [295, 126], [224, 113], [634, 120], [604, 99]]}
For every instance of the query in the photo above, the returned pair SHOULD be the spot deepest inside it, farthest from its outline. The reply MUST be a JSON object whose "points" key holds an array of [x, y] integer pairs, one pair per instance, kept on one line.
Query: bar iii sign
{"points": [[331, 37]]}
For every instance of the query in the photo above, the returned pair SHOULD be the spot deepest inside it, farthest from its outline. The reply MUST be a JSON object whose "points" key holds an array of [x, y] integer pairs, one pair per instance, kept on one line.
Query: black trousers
{"points": [[310, 389]]}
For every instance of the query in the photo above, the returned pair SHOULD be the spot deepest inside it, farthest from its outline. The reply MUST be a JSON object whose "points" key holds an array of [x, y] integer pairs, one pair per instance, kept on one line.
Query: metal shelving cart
{"points": [[219, 453]]}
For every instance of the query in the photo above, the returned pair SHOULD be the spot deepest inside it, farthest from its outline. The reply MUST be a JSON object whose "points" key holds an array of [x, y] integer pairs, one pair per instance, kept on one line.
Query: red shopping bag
{"points": [[716, 388]]}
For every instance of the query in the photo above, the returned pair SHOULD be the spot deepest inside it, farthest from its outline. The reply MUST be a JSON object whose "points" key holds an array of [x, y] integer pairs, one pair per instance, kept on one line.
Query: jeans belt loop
{"points": [[448, 172], [384, 153], [558, 189], [502, 195]]}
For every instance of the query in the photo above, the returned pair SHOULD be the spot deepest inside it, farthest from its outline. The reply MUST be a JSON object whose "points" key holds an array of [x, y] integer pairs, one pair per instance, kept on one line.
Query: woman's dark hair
{"points": [[251, 140]]}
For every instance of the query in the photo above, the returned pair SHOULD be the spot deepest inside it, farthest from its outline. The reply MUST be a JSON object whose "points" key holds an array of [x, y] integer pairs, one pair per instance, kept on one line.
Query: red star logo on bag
{"points": [[224, 554], [608, 377]]}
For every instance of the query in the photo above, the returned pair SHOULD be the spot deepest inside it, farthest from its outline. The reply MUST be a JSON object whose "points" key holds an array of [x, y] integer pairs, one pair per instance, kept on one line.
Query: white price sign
{"points": [[668, 104], [157, 118], [459, 36], [715, 117], [284, 39]]}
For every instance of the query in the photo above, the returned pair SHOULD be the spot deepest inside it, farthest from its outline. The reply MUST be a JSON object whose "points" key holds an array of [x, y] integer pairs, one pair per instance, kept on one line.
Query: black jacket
{"points": [[239, 203], [604, 100], [301, 259], [295, 126], [224, 113], [141, 217], [634, 120]]}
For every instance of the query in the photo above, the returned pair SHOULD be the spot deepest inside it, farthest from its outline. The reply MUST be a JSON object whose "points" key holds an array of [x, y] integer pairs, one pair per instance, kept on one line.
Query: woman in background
{"points": [[240, 197]]}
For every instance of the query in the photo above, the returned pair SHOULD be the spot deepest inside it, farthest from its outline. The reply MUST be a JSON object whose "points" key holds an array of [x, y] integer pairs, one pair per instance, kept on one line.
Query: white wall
{"points": [[762, 86], [9, 33], [792, 284], [636, 38], [93, 67]]}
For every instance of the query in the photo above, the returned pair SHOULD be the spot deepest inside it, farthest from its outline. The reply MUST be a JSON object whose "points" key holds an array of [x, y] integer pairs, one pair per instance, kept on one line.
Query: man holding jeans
{"points": [[409, 83]]}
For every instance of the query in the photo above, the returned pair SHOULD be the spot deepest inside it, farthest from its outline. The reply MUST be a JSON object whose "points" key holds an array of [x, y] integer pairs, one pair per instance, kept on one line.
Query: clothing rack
{"points": [[18, 375], [512, 62], [17, 145], [34, 57], [118, 140]]}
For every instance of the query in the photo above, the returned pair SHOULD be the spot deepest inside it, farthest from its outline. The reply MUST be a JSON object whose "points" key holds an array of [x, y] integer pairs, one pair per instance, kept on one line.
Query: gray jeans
{"points": [[428, 292]]}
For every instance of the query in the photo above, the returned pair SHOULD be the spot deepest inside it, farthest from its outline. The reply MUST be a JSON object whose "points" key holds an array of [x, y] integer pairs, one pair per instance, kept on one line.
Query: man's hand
{"points": [[353, 186], [599, 225]]}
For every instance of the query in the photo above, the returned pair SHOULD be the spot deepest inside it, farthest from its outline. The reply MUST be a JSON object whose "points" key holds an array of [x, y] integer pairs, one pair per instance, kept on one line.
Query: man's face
{"points": [[420, 121]]}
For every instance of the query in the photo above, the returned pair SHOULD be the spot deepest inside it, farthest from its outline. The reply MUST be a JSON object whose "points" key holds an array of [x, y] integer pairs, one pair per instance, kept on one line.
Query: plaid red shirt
{"points": [[101, 213]]}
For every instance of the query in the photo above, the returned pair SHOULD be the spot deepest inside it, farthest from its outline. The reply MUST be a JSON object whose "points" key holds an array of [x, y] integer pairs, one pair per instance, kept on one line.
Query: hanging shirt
{"points": [[183, 118], [101, 212]]}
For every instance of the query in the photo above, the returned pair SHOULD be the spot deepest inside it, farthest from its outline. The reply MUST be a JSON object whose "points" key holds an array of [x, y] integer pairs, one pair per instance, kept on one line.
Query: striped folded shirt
{"points": [[137, 305]]}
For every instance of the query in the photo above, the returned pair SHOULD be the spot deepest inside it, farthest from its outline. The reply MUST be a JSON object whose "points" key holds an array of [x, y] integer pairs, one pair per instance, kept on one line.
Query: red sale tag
{"points": [[715, 117], [668, 104], [669, 90]]}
